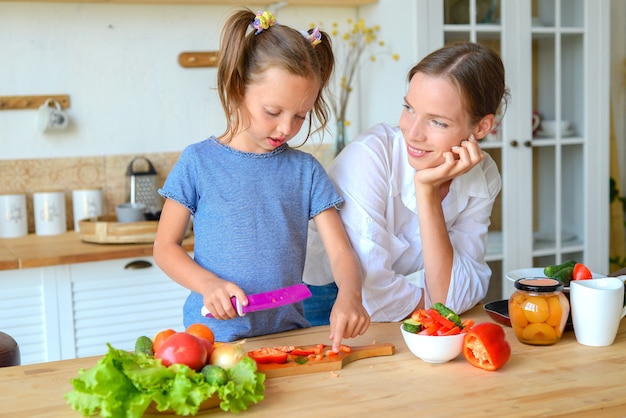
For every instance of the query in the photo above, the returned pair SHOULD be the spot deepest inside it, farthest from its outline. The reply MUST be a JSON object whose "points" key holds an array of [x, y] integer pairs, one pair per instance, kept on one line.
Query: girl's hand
{"points": [[348, 319], [461, 159], [217, 298]]}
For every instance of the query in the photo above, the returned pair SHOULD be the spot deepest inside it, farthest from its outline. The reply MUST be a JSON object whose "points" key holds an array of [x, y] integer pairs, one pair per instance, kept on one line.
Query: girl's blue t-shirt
{"points": [[251, 214]]}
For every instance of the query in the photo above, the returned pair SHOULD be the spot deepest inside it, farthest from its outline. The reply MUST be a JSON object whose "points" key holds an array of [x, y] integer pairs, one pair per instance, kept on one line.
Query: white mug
{"points": [[13, 216], [52, 117], [597, 307], [49, 213], [86, 203]]}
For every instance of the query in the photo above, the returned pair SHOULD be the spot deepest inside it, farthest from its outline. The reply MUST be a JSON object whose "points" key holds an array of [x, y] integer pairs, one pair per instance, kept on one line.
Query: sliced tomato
{"points": [[581, 272], [267, 355]]}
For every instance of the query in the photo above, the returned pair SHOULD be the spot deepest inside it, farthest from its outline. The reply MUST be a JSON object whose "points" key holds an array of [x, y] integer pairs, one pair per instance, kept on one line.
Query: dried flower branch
{"points": [[353, 44]]}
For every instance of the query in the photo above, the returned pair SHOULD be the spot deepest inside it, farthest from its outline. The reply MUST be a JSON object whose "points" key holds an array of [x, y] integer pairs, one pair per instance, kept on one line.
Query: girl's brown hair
{"points": [[476, 70], [244, 56]]}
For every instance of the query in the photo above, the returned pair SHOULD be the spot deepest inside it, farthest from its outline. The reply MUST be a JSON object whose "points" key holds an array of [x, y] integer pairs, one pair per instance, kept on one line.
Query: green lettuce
{"points": [[124, 384]]}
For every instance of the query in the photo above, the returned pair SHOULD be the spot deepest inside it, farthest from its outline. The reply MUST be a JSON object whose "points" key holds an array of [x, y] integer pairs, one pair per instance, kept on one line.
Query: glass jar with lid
{"points": [[538, 310]]}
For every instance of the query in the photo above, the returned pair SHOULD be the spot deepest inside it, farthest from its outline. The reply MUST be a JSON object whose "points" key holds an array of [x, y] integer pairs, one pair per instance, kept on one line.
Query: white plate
{"points": [[535, 272], [549, 236], [543, 134]]}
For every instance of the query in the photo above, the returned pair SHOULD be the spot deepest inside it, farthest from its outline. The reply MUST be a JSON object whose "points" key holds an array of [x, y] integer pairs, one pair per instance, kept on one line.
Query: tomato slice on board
{"points": [[267, 355], [485, 346], [581, 272]]}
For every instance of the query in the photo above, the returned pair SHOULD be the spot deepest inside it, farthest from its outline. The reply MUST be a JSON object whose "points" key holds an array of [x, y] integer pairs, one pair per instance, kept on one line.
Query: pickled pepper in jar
{"points": [[538, 310]]}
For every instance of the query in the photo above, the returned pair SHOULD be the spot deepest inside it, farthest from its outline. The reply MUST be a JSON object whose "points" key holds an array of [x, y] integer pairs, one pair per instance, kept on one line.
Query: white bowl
{"points": [[434, 348], [554, 126], [130, 212]]}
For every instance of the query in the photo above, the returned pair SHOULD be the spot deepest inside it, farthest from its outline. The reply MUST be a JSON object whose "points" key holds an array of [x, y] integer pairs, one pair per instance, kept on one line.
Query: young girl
{"points": [[418, 216], [251, 195]]}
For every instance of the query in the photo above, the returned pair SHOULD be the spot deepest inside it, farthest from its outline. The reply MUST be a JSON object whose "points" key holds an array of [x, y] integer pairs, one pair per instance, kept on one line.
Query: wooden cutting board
{"points": [[328, 363], [107, 230]]}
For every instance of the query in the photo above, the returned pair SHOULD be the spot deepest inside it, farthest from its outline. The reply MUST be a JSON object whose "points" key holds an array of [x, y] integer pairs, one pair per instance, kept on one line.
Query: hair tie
{"points": [[263, 21], [314, 37]]}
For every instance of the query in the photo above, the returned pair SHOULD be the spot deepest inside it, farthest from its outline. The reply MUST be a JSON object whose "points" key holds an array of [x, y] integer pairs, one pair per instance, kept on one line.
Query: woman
{"points": [[419, 196]]}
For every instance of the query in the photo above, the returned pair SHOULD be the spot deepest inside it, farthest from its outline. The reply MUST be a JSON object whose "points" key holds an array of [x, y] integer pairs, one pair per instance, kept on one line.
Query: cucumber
{"points": [[412, 326], [214, 375], [565, 275], [447, 313], [144, 345], [552, 270]]}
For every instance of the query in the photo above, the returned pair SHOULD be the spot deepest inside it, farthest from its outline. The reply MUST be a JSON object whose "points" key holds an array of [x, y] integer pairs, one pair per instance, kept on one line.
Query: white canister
{"points": [[49, 213], [87, 203], [13, 216]]}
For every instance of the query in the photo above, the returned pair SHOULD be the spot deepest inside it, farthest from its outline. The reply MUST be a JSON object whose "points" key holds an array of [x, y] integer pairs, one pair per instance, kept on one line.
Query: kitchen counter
{"points": [[566, 379], [41, 251]]}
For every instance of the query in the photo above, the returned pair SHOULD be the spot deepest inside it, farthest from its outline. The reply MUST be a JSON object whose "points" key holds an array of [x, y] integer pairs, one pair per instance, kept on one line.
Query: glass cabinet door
{"points": [[553, 54], [558, 146], [480, 21]]}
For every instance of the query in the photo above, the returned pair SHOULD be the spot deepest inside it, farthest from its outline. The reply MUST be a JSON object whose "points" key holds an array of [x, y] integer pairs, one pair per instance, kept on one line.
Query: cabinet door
{"points": [[113, 304], [554, 200], [28, 311]]}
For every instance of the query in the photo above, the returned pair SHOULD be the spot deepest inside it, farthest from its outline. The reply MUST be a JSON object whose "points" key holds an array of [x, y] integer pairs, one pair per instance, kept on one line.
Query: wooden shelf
{"points": [[32, 102], [317, 3]]}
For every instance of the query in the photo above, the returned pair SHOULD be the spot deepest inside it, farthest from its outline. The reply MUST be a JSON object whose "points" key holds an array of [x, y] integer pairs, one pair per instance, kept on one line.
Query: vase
{"points": [[340, 137]]}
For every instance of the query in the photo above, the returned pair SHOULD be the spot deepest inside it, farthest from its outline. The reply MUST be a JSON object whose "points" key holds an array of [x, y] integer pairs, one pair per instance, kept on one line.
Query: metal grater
{"points": [[143, 186]]}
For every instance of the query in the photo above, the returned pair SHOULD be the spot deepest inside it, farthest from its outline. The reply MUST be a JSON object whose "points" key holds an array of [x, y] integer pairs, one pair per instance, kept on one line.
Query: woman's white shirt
{"points": [[380, 215]]}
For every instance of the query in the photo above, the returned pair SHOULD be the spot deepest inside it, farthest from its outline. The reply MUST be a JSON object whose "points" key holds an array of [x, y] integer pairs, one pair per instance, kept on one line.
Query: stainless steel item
{"points": [[143, 187]]}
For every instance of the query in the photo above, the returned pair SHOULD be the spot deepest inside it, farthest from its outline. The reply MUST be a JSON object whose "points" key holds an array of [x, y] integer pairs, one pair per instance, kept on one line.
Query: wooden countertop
{"points": [[41, 251], [566, 379]]}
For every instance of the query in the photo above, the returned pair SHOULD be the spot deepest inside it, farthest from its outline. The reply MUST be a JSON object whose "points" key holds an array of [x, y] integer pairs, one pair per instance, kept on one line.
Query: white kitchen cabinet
{"points": [[28, 311], [113, 304], [68, 311], [554, 200]]}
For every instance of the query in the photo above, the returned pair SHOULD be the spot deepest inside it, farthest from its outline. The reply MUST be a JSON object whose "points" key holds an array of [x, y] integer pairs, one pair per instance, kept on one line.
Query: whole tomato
{"points": [[183, 348]]}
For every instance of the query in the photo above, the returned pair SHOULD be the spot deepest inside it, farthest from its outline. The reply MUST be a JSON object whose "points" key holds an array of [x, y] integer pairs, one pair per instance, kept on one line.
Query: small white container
{"points": [[86, 203], [49, 213], [13, 216]]}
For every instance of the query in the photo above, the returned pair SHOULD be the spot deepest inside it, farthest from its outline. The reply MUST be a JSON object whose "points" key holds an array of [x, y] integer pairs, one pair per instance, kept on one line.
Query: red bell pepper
{"points": [[301, 352], [485, 346], [267, 355]]}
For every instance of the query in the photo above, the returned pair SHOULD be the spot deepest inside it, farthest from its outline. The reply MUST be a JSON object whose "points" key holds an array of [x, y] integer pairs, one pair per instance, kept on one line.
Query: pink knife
{"points": [[269, 300]]}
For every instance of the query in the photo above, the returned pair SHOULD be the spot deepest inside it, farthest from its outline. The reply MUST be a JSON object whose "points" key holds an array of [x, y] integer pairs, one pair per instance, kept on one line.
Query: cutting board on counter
{"points": [[328, 363], [107, 230]]}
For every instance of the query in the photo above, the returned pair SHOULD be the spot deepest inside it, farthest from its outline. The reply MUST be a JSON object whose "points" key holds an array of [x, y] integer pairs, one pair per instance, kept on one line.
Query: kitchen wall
{"points": [[118, 63], [129, 96]]}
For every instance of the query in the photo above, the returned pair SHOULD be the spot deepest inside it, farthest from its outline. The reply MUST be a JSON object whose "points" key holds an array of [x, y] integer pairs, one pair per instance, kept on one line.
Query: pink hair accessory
{"points": [[315, 37], [263, 21]]}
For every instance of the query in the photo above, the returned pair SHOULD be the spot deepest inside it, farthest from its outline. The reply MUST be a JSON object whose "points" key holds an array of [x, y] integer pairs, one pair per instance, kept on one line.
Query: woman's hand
{"points": [[459, 160]]}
